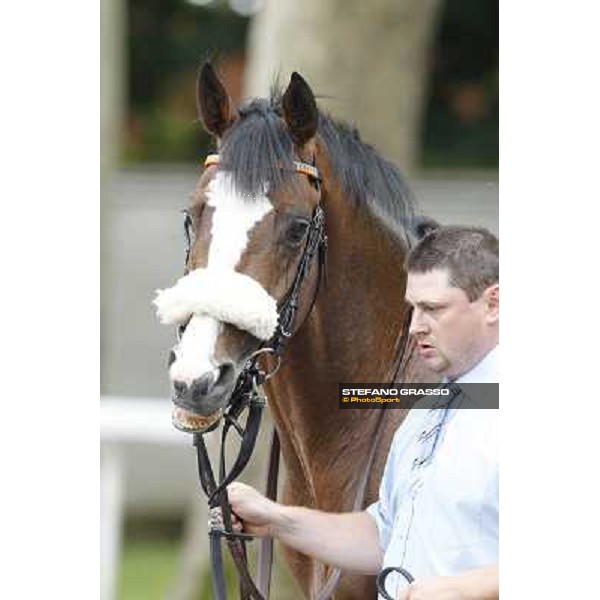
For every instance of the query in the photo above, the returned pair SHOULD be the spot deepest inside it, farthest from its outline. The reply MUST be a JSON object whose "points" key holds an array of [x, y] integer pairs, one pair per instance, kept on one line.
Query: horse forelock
{"points": [[257, 150]]}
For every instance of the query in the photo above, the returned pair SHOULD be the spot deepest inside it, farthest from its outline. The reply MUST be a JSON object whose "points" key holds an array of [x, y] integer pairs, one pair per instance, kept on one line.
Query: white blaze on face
{"points": [[233, 218], [195, 349]]}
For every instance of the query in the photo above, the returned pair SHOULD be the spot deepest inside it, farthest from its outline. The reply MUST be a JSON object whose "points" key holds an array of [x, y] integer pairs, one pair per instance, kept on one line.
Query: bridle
{"points": [[247, 395]]}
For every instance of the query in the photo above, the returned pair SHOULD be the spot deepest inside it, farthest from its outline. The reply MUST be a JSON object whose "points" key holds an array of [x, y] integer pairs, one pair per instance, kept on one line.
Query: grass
{"points": [[148, 567]]}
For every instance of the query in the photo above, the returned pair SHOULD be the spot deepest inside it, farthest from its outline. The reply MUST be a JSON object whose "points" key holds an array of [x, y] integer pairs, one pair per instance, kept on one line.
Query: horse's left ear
{"points": [[300, 110]]}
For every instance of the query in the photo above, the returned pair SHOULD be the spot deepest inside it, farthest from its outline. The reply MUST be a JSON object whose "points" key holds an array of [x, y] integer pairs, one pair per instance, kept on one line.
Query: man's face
{"points": [[452, 333]]}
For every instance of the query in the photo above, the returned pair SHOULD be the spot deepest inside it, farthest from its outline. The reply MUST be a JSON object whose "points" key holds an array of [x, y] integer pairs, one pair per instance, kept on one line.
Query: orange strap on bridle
{"points": [[300, 167]]}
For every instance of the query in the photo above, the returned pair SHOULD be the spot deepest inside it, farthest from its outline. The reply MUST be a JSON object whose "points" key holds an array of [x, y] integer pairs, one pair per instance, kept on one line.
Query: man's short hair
{"points": [[469, 253]]}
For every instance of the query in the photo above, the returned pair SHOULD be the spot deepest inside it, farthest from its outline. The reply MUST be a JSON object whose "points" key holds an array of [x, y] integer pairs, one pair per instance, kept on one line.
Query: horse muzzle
{"points": [[200, 403]]}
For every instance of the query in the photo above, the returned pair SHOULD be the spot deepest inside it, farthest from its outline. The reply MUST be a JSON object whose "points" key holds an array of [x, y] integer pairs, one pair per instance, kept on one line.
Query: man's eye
{"points": [[432, 308], [296, 232]]}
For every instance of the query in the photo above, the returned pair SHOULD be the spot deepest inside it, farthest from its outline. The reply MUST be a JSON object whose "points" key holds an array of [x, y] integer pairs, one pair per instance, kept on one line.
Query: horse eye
{"points": [[296, 231]]}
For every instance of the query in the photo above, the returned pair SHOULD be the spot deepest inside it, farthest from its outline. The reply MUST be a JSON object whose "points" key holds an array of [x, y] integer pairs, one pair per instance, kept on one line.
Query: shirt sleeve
{"points": [[378, 512], [382, 510]]}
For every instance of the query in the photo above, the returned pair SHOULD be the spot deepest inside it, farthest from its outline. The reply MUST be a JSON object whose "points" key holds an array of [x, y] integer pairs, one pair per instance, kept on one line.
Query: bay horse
{"points": [[248, 220]]}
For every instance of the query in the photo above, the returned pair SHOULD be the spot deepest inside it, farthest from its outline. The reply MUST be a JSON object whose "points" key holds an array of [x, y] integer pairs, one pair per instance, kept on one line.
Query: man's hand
{"points": [[258, 513], [478, 584], [347, 540]]}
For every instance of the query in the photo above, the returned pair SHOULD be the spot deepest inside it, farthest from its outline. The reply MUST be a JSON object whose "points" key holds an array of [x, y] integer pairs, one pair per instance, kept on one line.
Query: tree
{"points": [[368, 59]]}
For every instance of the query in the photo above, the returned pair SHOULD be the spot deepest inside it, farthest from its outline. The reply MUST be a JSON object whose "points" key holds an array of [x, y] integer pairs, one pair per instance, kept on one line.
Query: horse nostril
{"points": [[172, 358], [179, 387], [226, 374], [201, 386], [218, 381]]}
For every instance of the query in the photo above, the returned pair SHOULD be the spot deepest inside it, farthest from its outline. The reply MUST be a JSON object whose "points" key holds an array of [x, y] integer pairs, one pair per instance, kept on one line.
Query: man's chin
{"points": [[436, 363]]}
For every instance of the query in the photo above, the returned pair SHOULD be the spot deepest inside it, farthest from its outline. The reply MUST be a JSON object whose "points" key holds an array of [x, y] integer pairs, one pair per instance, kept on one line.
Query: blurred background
{"points": [[419, 78]]}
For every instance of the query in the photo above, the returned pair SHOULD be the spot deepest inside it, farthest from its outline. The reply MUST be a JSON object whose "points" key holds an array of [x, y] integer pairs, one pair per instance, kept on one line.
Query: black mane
{"points": [[366, 177]]}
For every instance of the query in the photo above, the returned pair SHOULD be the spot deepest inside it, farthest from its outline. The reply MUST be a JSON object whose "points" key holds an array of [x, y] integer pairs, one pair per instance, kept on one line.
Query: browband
{"points": [[300, 167]]}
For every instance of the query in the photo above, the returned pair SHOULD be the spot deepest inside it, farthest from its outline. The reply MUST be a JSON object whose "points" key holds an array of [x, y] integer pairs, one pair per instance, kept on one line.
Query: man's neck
{"points": [[481, 356]]}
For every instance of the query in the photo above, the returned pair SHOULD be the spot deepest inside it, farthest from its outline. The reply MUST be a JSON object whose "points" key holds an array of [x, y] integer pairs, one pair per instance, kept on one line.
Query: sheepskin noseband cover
{"points": [[229, 296]]}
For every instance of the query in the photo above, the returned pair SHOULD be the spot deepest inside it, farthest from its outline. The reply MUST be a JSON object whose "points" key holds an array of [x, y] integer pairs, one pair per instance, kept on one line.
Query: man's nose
{"points": [[417, 323]]}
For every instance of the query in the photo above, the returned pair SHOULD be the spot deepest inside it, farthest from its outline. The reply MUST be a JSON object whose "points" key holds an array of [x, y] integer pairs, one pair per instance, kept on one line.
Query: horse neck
{"points": [[360, 313], [352, 335]]}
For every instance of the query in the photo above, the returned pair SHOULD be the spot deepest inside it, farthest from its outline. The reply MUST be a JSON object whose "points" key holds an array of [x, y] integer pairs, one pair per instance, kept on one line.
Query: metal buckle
{"points": [[266, 350]]}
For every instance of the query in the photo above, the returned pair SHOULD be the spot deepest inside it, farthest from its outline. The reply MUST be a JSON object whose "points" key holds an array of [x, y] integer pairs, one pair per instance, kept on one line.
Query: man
{"points": [[437, 513]]}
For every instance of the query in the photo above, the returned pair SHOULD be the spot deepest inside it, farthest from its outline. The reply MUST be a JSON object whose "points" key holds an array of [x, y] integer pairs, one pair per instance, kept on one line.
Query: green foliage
{"points": [[161, 136], [171, 37], [462, 116], [168, 41]]}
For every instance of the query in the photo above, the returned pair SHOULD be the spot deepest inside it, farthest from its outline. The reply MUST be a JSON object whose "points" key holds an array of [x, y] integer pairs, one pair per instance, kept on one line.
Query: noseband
{"points": [[247, 395]]}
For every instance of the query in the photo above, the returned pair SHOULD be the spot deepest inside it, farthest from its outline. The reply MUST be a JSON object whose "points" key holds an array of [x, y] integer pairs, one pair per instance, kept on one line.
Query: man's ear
{"points": [[215, 107], [491, 297], [300, 110]]}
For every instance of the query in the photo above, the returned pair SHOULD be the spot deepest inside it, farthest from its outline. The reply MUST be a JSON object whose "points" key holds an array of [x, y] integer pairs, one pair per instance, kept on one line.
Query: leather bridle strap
{"points": [[220, 510], [265, 554], [299, 166], [316, 242]]}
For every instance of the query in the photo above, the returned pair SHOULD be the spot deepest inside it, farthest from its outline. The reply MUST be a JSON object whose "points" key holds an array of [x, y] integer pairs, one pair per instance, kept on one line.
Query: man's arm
{"points": [[348, 540], [477, 584]]}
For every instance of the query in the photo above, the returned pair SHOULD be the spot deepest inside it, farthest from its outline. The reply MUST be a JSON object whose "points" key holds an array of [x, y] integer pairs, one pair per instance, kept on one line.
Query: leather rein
{"points": [[248, 396]]}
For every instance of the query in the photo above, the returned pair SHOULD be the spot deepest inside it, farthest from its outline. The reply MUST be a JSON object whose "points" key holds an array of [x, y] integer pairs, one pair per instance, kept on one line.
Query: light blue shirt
{"points": [[441, 517]]}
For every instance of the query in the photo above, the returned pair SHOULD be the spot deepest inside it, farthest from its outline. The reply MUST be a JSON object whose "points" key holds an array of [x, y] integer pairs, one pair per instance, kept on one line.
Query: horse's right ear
{"points": [[300, 110], [215, 107]]}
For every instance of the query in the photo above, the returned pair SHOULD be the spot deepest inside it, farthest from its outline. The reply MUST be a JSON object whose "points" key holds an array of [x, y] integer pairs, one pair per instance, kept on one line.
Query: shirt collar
{"points": [[485, 371]]}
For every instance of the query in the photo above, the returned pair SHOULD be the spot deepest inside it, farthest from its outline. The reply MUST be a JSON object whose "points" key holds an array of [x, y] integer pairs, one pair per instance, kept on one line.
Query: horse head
{"points": [[249, 224]]}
